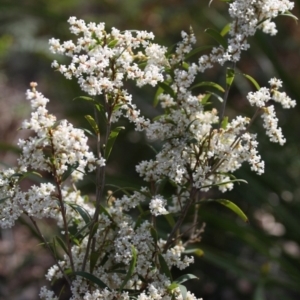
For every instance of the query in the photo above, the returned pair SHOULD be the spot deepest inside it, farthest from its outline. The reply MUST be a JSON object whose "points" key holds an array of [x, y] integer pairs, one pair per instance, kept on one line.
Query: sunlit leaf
{"points": [[225, 29], [93, 123], [224, 123], [229, 77], [252, 80]]}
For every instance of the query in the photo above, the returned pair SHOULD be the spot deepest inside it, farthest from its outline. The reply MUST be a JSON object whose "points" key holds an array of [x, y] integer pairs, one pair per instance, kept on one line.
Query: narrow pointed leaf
{"points": [[164, 267], [69, 171], [83, 212], [185, 278], [217, 36], [197, 50], [229, 77], [225, 29], [92, 278], [209, 83], [131, 267], [159, 91], [93, 123], [234, 208], [224, 123], [62, 244], [252, 81], [183, 291], [166, 88], [111, 140]]}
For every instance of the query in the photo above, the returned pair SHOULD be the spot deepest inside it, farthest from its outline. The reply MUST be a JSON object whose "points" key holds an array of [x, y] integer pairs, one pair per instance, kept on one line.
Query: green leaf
{"points": [[197, 251], [166, 88], [185, 278], [82, 211], [131, 267], [289, 14], [154, 235], [93, 259], [252, 80], [62, 244], [70, 170], [173, 286], [197, 50], [92, 278], [159, 91], [209, 83], [234, 208], [93, 101], [229, 77], [164, 267], [93, 123], [170, 220], [111, 140], [224, 123], [216, 96], [183, 291], [217, 36], [112, 43], [204, 100], [225, 29]]}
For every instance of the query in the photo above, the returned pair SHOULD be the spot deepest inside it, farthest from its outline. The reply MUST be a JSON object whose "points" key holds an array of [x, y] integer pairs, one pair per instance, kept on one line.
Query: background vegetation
{"points": [[256, 261]]}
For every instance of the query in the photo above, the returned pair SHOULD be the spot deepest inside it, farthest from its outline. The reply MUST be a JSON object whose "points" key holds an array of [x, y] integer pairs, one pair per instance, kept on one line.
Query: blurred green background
{"points": [[256, 261]]}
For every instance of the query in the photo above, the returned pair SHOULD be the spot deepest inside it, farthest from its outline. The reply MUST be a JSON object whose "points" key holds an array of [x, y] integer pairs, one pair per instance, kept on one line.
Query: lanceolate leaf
{"points": [[229, 77], [183, 291], [83, 212], [225, 29], [62, 244], [111, 140], [231, 206], [217, 36], [164, 267], [93, 123], [209, 83], [166, 88], [131, 267], [252, 80], [93, 101], [69, 171], [185, 278], [92, 278]]}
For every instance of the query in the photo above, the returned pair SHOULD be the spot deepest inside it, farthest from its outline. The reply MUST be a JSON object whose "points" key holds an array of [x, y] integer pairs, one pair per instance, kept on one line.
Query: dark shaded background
{"points": [[257, 261]]}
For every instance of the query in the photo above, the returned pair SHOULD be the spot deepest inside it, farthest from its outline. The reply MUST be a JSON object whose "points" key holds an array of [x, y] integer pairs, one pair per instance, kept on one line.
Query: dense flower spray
{"points": [[111, 255]]}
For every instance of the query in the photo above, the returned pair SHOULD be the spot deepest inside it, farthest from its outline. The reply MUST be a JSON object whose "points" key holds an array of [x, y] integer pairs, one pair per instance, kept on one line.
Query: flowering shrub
{"points": [[108, 254]]}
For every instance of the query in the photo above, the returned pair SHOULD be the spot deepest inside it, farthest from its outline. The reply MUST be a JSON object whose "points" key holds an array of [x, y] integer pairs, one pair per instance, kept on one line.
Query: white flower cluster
{"points": [[248, 16], [261, 98], [102, 61], [57, 144], [55, 148], [116, 235], [9, 208]]}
